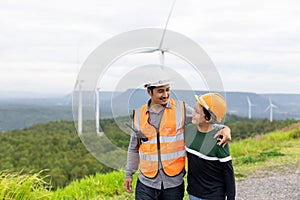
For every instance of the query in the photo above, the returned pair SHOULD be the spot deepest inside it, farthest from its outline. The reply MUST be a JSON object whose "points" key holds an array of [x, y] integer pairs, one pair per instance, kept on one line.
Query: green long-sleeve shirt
{"points": [[210, 171]]}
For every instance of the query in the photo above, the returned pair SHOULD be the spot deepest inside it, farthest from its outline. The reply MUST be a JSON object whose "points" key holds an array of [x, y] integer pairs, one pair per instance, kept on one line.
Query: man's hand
{"points": [[128, 185], [224, 135]]}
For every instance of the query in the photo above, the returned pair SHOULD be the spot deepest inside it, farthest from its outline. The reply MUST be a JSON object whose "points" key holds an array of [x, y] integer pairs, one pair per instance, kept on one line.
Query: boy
{"points": [[210, 171]]}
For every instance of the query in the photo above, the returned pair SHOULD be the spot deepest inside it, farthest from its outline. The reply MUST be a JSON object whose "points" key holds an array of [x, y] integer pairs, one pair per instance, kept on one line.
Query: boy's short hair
{"points": [[207, 114]]}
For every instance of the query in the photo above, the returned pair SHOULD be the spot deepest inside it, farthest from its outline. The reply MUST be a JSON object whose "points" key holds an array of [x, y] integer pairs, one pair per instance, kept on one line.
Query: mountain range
{"points": [[16, 113]]}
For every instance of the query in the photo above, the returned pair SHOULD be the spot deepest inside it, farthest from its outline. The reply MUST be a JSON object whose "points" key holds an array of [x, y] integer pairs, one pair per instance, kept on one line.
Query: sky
{"points": [[254, 44]]}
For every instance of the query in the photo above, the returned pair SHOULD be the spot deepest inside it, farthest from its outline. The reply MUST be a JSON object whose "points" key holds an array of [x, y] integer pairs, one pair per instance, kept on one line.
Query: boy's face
{"points": [[160, 95], [198, 115]]}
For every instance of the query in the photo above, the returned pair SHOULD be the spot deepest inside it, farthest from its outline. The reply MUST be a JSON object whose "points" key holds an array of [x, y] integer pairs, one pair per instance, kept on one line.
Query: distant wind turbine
{"points": [[79, 116], [249, 107], [97, 115], [79, 83], [270, 107]]}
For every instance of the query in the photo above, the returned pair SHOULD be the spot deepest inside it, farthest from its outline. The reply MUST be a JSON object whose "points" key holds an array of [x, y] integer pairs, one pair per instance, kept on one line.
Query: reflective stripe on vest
{"points": [[172, 151]]}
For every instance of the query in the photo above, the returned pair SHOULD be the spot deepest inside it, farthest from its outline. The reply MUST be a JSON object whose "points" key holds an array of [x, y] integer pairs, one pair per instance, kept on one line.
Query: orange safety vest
{"points": [[170, 139]]}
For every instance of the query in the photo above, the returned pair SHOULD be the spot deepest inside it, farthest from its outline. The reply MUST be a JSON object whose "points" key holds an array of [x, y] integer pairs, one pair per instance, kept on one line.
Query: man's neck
{"points": [[157, 107], [205, 128]]}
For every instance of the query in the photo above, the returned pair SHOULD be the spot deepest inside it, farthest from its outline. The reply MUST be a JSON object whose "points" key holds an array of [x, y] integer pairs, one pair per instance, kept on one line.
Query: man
{"points": [[158, 145]]}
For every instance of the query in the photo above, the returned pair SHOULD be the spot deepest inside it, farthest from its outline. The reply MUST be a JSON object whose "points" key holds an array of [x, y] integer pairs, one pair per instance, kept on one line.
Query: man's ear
{"points": [[149, 92]]}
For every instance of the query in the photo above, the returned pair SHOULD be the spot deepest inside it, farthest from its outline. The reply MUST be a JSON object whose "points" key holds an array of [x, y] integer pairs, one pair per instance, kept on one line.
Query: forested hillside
{"points": [[266, 154], [53, 146], [242, 128], [56, 148]]}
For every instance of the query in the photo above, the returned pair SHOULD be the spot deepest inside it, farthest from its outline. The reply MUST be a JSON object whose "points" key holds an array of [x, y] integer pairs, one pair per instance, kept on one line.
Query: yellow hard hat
{"points": [[214, 103]]}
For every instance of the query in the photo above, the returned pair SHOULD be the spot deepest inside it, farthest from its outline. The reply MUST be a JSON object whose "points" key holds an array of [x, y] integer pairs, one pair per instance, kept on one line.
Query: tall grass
{"points": [[100, 186], [23, 186], [261, 153]]}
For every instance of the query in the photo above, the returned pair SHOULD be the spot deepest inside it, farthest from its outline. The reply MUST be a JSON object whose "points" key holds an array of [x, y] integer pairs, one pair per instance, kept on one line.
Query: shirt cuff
{"points": [[128, 175]]}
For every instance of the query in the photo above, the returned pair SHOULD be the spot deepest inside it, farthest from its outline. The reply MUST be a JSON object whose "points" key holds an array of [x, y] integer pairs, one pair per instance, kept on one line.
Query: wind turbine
{"points": [[249, 107], [270, 107], [160, 47]]}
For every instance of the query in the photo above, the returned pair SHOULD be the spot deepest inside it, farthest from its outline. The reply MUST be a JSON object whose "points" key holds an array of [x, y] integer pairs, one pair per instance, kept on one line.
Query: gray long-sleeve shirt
{"points": [[133, 155]]}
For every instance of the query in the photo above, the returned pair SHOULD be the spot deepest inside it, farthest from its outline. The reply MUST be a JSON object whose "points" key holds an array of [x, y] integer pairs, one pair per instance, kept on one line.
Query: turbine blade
{"points": [[249, 102], [267, 108], [148, 51], [270, 101], [164, 32]]}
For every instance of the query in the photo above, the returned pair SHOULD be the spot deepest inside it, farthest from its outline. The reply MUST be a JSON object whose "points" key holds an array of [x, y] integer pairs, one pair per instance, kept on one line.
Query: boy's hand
{"points": [[224, 136]]}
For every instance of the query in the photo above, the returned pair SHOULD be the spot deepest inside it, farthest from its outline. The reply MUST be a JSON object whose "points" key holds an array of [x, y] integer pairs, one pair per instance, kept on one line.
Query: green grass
{"points": [[100, 186], [274, 151], [19, 186], [255, 157]]}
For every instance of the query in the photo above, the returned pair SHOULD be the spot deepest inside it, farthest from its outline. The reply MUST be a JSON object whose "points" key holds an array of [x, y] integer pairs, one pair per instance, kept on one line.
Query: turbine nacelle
{"points": [[152, 50]]}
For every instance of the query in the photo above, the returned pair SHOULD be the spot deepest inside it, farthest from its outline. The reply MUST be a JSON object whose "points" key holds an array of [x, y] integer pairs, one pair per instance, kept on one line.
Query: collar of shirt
{"points": [[149, 109]]}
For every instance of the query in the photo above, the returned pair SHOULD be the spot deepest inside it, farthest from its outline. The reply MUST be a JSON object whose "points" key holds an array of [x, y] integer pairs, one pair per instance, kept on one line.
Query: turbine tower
{"points": [[97, 114], [249, 107], [270, 107], [79, 116]]}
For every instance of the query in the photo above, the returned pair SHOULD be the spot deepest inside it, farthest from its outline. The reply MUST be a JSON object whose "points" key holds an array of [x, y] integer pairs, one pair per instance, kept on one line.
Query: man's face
{"points": [[160, 95], [198, 115]]}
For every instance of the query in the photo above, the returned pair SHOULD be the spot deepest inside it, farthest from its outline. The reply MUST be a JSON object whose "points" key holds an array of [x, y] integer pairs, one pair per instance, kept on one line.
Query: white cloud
{"points": [[254, 44]]}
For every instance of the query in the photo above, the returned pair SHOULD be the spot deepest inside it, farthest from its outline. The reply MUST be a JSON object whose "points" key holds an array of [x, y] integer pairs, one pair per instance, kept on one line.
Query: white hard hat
{"points": [[157, 83], [156, 75]]}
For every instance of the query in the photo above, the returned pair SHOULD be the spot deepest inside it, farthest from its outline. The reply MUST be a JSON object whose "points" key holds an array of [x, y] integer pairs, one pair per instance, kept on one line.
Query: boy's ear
{"points": [[208, 119]]}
